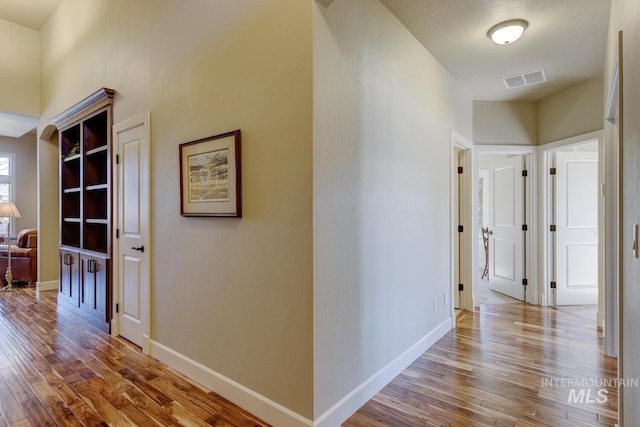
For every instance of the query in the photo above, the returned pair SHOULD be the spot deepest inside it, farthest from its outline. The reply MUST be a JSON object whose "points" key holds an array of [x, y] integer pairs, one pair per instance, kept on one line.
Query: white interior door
{"points": [[133, 298], [576, 228], [506, 243], [456, 222]]}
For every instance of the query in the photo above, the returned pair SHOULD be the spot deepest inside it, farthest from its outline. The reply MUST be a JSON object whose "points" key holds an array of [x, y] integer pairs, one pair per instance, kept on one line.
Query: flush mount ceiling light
{"points": [[508, 32]]}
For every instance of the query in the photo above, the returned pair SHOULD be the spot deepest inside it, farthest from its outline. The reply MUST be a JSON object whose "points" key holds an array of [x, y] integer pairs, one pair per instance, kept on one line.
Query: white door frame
{"points": [[467, 200], [613, 217], [531, 257], [143, 119], [545, 152]]}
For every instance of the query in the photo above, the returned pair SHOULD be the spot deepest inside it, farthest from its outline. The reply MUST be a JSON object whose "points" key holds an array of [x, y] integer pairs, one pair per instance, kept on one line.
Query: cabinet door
{"points": [[69, 276], [87, 283], [94, 297]]}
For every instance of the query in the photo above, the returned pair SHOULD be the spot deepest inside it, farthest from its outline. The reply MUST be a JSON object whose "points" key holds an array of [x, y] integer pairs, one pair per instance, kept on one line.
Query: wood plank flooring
{"points": [[56, 369], [489, 372]]}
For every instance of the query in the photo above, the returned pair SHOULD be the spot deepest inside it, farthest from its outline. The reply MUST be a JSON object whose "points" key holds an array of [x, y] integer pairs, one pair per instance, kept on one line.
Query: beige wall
{"points": [[384, 109], [575, 111], [624, 14], [25, 178], [234, 295], [19, 69], [505, 123], [48, 211]]}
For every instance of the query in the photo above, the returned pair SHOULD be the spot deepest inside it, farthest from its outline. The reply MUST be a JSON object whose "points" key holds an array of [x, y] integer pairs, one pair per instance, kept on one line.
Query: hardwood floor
{"points": [[489, 372], [55, 369]]}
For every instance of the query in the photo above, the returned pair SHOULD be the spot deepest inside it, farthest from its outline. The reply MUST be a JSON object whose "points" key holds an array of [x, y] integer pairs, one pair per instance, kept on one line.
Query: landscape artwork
{"points": [[209, 177]]}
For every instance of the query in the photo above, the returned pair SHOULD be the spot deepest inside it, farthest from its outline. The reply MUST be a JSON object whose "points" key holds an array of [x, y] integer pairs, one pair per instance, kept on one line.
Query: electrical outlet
{"points": [[444, 299], [435, 304]]}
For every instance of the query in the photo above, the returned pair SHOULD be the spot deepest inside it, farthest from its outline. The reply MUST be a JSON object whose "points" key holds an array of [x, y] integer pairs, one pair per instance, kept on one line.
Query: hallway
{"points": [[490, 371], [55, 369]]}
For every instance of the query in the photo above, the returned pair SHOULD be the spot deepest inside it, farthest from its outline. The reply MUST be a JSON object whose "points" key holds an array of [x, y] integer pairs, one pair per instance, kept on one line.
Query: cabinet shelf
{"points": [[85, 207], [96, 150], [97, 221], [97, 187], [96, 132], [71, 158]]}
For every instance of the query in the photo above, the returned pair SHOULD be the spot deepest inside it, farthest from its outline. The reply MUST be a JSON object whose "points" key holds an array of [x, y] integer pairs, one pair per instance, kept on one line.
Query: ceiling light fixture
{"points": [[508, 32]]}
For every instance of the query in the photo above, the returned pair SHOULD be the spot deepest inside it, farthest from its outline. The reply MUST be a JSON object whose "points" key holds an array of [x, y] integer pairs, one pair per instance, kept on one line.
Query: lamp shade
{"points": [[9, 210], [508, 32]]}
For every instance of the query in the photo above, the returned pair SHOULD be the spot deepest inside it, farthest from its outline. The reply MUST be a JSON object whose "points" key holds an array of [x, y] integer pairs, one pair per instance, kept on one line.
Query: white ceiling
{"points": [[566, 38], [28, 13]]}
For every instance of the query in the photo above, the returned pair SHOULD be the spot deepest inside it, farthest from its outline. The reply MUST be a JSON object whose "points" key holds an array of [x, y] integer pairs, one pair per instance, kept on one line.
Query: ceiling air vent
{"points": [[525, 79]]}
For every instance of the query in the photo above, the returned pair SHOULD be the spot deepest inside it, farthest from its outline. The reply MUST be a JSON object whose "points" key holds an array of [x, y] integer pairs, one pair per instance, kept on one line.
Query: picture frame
{"points": [[210, 176]]}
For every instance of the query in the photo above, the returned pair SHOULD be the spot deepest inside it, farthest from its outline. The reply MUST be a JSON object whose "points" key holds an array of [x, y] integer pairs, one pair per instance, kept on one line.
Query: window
{"points": [[7, 186]]}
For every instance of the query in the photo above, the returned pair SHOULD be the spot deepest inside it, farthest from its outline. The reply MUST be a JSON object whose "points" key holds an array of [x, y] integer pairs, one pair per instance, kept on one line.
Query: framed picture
{"points": [[210, 183]]}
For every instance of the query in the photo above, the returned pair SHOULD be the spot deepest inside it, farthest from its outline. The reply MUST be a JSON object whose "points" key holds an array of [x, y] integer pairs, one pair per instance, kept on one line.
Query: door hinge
{"points": [[460, 169], [460, 287], [460, 229], [524, 227], [552, 227], [117, 159], [525, 282], [553, 285], [552, 171], [525, 173], [117, 233], [117, 308]]}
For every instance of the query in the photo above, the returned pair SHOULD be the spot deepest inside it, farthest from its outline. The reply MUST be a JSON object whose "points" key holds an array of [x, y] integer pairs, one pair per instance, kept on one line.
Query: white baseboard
{"points": [[349, 404], [51, 285], [278, 415], [260, 406]]}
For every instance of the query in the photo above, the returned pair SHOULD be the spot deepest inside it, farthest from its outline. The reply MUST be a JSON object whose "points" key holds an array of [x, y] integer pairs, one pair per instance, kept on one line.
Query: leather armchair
{"points": [[24, 257]]}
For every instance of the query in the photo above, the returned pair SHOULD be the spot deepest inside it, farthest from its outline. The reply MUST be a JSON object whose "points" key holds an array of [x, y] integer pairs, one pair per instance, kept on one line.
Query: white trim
{"points": [[465, 143], [141, 120], [613, 196], [349, 404], [544, 203], [276, 414], [260, 406], [51, 285], [572, 141], [97, 99], [531, 163], [467, 200], [613, 103], [484, 174]]}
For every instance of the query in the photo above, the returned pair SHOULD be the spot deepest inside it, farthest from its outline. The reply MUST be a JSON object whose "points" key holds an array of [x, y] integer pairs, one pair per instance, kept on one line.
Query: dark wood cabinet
{"points": [[85, 207], [94, 277], [69, 277]]}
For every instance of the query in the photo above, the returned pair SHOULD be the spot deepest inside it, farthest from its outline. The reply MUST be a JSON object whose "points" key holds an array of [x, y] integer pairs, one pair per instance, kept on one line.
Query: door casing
{"points": [[141, 120], [462, 154], [531, 257], [545, 153]]}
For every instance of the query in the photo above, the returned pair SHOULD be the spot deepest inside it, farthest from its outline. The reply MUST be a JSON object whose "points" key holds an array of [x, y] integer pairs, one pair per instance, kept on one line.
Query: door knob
{"points": [[140, 248], [490, 232]]}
